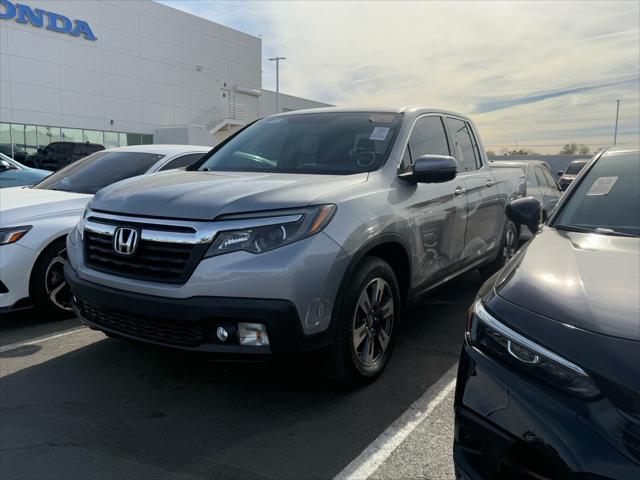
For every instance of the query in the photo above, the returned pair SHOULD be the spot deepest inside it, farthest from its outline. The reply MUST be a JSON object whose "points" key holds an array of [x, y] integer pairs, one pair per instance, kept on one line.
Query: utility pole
{"points": [[277, 60], [615, 132]]}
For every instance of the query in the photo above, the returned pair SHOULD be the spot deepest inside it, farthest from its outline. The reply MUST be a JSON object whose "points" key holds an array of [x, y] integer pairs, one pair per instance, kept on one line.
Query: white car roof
{"points": [[162, 149]]}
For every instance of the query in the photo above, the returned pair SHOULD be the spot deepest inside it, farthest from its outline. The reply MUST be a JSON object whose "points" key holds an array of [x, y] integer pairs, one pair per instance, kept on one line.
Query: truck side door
{"points": [[485, 206], [439, 214]]}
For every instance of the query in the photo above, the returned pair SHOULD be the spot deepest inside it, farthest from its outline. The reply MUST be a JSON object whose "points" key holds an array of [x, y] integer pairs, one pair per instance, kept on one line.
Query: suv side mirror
{"points": [[4, 166], [560, 173], [525, 211], [433, 169]]}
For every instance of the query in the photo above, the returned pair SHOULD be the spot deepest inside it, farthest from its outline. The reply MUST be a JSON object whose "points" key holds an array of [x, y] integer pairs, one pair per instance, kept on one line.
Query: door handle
{"points": [[490, 183], [459, 191]]}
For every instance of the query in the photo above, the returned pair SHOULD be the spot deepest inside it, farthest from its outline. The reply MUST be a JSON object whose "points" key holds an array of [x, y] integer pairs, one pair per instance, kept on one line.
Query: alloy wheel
{"points": [[510, 243], [373, 322], [55, 284]]}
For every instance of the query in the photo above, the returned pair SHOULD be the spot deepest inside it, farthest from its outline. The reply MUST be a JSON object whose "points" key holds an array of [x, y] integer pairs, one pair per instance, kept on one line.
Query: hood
{"points": [[19, 204], [586, 280], [205, 195]]}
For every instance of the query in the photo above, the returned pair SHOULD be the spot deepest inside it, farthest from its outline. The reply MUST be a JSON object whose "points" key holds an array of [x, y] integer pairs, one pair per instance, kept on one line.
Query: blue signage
{"points": [[41, 18]]}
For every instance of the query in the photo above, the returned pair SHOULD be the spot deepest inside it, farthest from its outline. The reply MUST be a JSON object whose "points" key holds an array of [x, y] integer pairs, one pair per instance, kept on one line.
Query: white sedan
{"points": [[34, 221]]}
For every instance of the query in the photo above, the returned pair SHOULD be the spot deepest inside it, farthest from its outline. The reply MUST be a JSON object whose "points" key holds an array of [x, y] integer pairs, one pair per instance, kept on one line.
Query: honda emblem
{"points": [[125, 241]]}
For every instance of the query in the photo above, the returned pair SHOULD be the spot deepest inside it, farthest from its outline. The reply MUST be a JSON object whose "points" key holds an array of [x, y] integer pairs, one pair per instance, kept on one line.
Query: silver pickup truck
{"points": [[305, 230]]}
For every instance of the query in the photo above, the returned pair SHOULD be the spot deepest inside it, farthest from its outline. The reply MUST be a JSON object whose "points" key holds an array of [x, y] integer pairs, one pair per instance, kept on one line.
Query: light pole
{"points": [[615, 132], [277, 60]]}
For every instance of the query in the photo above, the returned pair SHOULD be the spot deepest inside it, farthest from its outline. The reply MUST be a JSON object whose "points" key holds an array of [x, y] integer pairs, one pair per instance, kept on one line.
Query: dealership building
{"points": [[125, 72]]}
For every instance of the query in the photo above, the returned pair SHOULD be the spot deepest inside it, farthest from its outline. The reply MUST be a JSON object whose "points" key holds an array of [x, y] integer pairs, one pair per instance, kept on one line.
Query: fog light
{"points": [[254, 334], [222, 334]]}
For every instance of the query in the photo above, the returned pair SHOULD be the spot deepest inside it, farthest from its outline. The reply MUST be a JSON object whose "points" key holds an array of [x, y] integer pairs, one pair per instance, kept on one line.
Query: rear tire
{"points": [[508, 248], [47, 286], [367, 323]]}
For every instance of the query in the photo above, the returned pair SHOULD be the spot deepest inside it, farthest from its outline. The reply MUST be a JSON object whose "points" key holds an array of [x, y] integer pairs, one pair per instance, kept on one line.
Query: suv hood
{"points": [[19, 204], [206, 195], [586, 280]]}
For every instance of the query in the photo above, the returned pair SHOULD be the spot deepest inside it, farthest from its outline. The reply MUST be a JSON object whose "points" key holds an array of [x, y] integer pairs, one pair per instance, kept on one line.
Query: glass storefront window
{"points": [[5, 134], [111, 140], [71, 135], [93, 136], [30, 139], [46, 135], [17, 135], [133, 139]]}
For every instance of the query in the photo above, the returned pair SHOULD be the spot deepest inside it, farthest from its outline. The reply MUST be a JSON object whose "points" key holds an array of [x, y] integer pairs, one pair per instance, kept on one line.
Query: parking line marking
{"points": [[13, 346], [365, 464]]}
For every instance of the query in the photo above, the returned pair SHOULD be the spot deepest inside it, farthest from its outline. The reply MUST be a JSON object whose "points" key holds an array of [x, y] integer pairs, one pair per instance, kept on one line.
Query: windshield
{"points": [[98, 170], [317, 143], [608, 197], [575, 167]]}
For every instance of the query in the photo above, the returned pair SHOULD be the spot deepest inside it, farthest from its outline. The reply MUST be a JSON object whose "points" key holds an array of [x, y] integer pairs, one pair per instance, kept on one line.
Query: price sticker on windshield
{"points": [[379, 133], [602, 186]]}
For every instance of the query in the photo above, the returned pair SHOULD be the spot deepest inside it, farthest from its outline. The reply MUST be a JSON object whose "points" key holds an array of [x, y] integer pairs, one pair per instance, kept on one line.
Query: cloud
{"points": [[543, 73]]}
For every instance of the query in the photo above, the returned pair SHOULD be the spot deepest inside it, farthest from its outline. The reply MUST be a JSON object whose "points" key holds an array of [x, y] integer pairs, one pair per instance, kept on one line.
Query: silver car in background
{"points": [[305, 230], [540, 184]]}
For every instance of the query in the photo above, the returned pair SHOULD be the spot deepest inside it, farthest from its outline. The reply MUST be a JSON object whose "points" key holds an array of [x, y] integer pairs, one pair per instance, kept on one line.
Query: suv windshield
{"points": [[608, 197], [575, 167], [317, 143], [99, 170]]}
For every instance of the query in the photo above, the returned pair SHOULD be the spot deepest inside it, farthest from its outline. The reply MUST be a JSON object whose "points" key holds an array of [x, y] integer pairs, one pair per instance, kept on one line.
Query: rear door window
{"points": [[549, 178], [464, 145]]}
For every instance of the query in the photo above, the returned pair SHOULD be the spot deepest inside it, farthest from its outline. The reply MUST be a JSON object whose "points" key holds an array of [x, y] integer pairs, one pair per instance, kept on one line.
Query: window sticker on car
{"points": [[602, 186], [379, 133], [380, 118]]}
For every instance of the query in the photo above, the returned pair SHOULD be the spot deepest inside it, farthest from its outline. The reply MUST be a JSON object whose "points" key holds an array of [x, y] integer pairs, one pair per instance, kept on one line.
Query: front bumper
{"points": [[507, 426], [16, 263], [191, 323]]}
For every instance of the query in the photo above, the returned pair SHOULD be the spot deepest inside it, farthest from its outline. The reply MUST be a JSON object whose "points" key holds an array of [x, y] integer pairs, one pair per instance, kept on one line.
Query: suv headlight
{"points": [[491, 336], [259, 239], [13, 234]]}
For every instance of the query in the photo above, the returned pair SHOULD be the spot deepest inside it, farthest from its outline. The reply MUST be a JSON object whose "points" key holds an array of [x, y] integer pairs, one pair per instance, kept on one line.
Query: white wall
{"points": [[287, 103], [140, 72]]}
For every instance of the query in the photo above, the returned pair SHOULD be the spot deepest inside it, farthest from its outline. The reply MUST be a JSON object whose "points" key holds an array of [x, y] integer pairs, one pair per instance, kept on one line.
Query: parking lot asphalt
{"points": [[79, 405]]}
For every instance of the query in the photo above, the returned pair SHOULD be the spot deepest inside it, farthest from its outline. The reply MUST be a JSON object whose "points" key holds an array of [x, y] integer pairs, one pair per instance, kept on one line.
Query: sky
{"points": [[532, 75]]}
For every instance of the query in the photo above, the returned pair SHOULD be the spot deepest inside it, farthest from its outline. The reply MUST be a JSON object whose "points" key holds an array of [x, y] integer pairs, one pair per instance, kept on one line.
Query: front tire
{"points": [[47, 286], [367, 323]]}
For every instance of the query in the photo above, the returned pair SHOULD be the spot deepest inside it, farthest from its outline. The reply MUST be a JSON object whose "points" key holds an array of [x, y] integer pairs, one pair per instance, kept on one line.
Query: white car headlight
{"points": [[263, 238], [13, 234]]}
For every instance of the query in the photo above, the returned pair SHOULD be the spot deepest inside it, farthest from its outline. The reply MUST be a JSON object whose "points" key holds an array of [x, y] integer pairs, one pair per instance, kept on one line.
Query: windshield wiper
{"points": [[599, 230]]}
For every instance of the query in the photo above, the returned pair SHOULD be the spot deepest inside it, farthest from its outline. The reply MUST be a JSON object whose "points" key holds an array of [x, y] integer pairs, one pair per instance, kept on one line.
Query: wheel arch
{"points": [[390, 247]]}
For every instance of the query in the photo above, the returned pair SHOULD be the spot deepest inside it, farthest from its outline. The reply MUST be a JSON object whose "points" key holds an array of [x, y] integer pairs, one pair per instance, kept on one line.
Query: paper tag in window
{"points": [[602, 186], [379, 133]]}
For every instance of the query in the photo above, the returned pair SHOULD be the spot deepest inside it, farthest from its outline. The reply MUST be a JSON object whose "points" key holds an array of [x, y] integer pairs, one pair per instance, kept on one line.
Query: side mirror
{"points": [[525, 211], [4, 166], [433, 169], [560, 173]]}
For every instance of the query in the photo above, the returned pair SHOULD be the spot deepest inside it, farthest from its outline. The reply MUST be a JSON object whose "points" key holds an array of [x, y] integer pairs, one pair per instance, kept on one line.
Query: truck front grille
{"points": [[154, 261], [182, 334]]}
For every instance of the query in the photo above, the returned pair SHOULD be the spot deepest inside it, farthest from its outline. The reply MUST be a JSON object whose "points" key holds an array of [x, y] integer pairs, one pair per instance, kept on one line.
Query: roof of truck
{"points": [[377, 109]]}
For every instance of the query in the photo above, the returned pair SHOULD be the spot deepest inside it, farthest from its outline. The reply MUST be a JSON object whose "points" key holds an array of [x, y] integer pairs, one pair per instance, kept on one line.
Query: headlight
{"points": [[263, 238], [491, 336], [13, 234]]}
